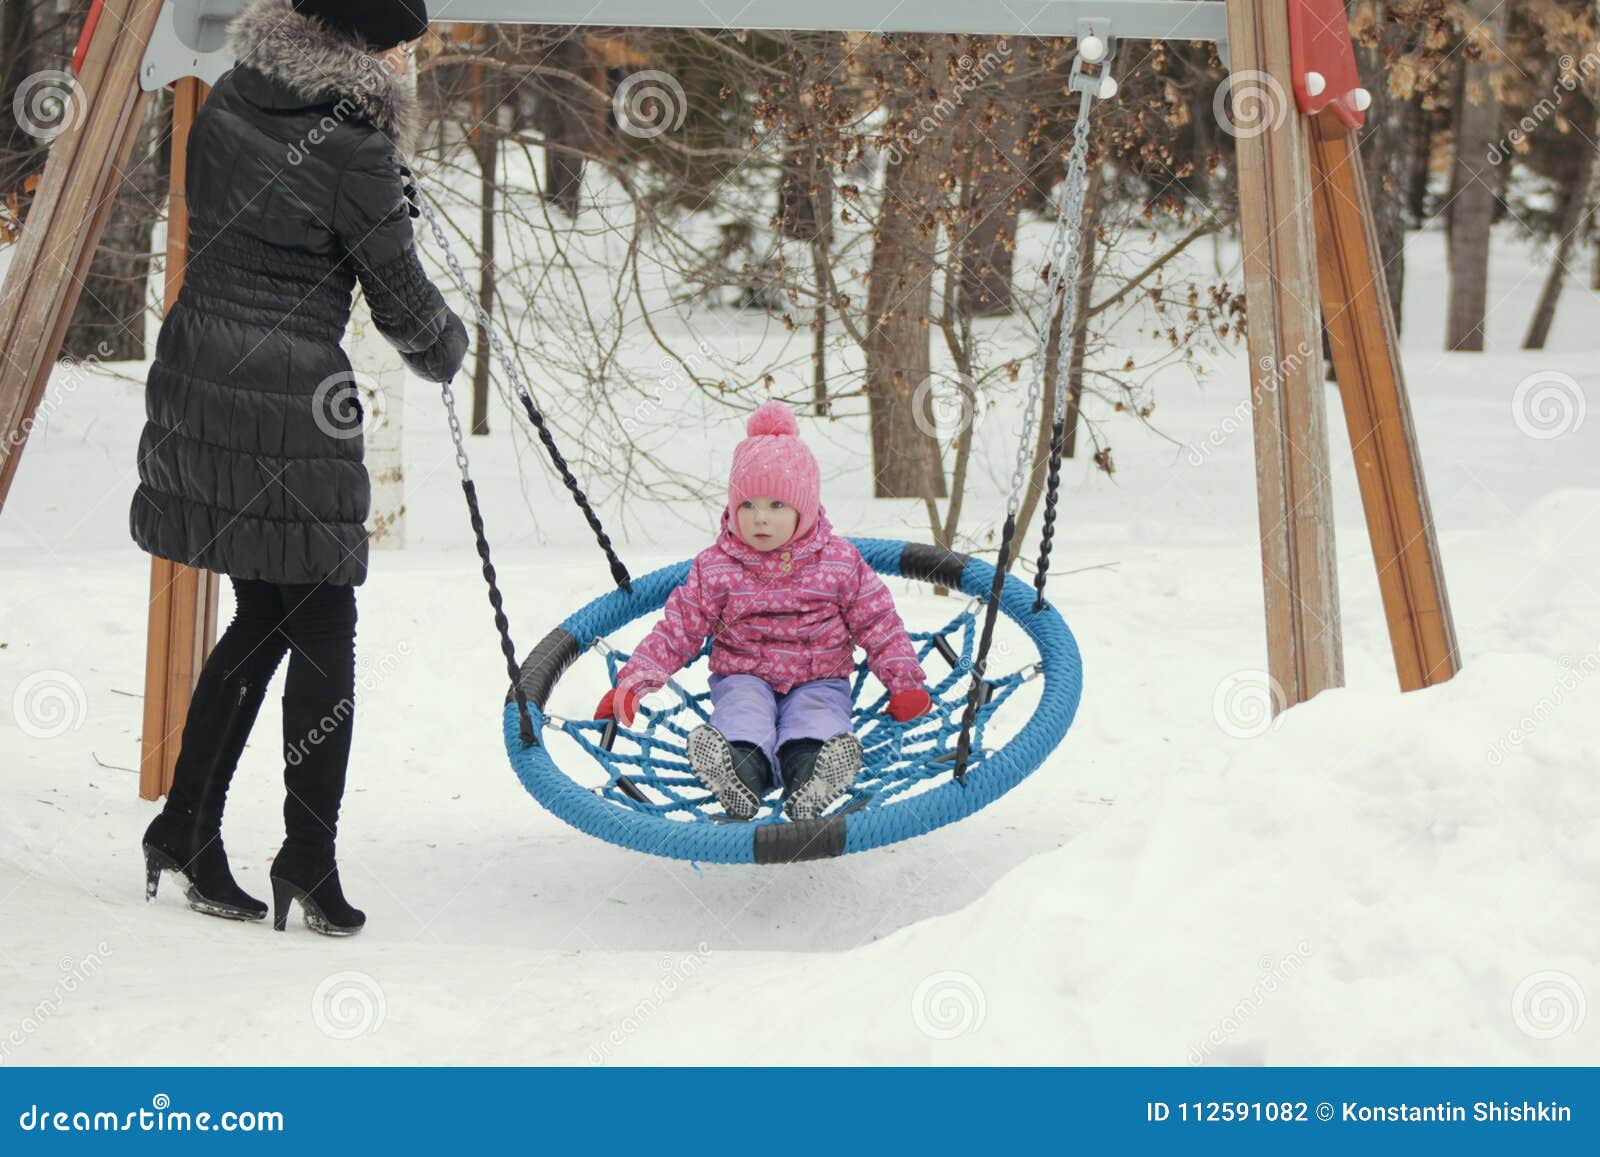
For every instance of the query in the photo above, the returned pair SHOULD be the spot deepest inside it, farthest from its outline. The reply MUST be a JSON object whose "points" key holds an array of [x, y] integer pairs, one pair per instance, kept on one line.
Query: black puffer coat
{"points": [[251, 458]]}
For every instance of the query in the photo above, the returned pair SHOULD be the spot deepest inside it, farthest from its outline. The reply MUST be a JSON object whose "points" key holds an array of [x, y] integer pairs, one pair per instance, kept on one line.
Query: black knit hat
{"points": [[378, 24]]}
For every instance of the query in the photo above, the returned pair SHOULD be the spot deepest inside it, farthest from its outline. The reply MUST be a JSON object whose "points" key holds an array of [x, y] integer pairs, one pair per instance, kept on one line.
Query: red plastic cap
{"points": [[85, 36], [1324, 59]]}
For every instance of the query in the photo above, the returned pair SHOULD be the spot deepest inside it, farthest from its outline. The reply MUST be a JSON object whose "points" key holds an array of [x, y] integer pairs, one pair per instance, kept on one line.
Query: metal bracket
{"points": [[190, 39], [1091, 65]]}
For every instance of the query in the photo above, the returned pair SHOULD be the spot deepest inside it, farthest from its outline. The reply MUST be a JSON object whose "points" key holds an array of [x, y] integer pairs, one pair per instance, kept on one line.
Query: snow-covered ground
{"points": [[1370, 878]]}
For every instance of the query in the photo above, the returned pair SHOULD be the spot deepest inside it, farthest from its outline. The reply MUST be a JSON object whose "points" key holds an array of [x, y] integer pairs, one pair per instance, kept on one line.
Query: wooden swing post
{"points": [[182, 624]]}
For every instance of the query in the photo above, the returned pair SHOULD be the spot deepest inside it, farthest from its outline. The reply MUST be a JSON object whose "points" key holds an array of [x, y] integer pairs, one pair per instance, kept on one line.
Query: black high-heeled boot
{"points": [[186, 837], [310, 875], [175, 843]]}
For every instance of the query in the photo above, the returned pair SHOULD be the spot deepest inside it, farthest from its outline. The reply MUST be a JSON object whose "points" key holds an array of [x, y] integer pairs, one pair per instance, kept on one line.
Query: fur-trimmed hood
{"points": [[318, 64]]}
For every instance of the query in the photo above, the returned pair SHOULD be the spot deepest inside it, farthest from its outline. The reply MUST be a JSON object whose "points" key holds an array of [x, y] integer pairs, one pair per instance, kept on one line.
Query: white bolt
{"points": [[1108, 87], [1092, 49], [1360, 99], [1316, 83]]}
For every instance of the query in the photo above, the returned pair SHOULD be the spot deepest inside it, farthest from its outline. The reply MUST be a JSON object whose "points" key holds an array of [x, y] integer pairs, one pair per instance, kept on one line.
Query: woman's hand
{"points": [[441, 361], [622, 708], [410, 190], [907, 705]]}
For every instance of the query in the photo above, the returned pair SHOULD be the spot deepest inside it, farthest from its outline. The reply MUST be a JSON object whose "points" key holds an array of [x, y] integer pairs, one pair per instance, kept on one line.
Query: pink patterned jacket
{"points": [[788, 616]]}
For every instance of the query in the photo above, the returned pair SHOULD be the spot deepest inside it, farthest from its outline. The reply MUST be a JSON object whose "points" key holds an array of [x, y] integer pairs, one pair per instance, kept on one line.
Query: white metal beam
{"points": [[189, 39]]}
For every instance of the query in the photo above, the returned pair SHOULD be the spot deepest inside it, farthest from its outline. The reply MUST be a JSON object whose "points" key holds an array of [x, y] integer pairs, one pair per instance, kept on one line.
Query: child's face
{"points": [[767, 523]]}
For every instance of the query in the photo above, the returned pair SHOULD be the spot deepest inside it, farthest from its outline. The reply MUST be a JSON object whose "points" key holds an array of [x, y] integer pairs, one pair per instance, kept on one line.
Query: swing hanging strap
{"points": [[1069, 256], [619, 572], [1066, 259], [496, 600]]}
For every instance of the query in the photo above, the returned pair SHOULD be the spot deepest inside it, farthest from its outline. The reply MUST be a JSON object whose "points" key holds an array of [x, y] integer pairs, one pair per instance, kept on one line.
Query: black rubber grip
{"points": [[798, 840], [933, 564], [545, 664]]}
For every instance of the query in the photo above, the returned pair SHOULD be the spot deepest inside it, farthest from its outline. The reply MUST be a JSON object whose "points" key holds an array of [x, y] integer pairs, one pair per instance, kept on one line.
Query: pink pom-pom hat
{"points": [[774, 463]]}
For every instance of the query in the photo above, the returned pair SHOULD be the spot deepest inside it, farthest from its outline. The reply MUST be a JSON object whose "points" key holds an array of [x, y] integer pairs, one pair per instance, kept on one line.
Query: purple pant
{"points": [[745, 707]]}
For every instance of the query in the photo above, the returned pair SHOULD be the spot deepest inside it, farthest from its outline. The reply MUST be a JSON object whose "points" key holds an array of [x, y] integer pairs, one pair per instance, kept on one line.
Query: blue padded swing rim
{"points": [[1062, 677]]}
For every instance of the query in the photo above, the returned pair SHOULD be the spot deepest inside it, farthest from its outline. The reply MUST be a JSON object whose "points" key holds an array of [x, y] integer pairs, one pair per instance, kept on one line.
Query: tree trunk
{"points": [[1080, 326], [1383, 146], [486, 147], [1574, 207], [1473, 199], [563, 115], [1419, 160], [1000, 156], [905, 449]]}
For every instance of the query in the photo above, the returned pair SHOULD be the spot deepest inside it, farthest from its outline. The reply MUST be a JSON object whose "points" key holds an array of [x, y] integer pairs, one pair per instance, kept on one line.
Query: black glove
{"points": [[442, 360], [411, 193]]}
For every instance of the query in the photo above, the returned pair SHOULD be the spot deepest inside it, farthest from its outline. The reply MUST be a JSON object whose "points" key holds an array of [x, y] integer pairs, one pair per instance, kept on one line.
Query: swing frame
{"points": [[1300, 183]]}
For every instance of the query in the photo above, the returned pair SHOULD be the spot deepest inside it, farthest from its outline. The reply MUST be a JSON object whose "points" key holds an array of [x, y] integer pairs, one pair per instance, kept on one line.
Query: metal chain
{"points": [[619, 572], [1066, 257]]}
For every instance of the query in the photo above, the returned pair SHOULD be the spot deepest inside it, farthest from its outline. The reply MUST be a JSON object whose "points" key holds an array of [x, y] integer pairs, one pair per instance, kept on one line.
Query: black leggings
{"points": [[315, 626]]}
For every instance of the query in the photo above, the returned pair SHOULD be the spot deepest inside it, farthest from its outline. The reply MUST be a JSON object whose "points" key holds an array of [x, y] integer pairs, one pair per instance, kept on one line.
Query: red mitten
{"points": [[610, 709], [907, 705]]}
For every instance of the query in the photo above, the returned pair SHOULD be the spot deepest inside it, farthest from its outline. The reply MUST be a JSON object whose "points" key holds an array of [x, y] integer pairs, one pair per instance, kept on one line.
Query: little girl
{"points": [[784, 600]]}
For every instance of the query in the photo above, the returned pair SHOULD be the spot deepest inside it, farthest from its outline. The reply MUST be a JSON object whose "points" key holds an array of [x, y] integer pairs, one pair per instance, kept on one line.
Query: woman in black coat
{"points": [[251, 459]]}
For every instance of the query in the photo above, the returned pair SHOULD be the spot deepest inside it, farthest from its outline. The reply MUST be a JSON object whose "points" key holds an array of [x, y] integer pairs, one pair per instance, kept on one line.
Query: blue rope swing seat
{"points": [[652, 802]]}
